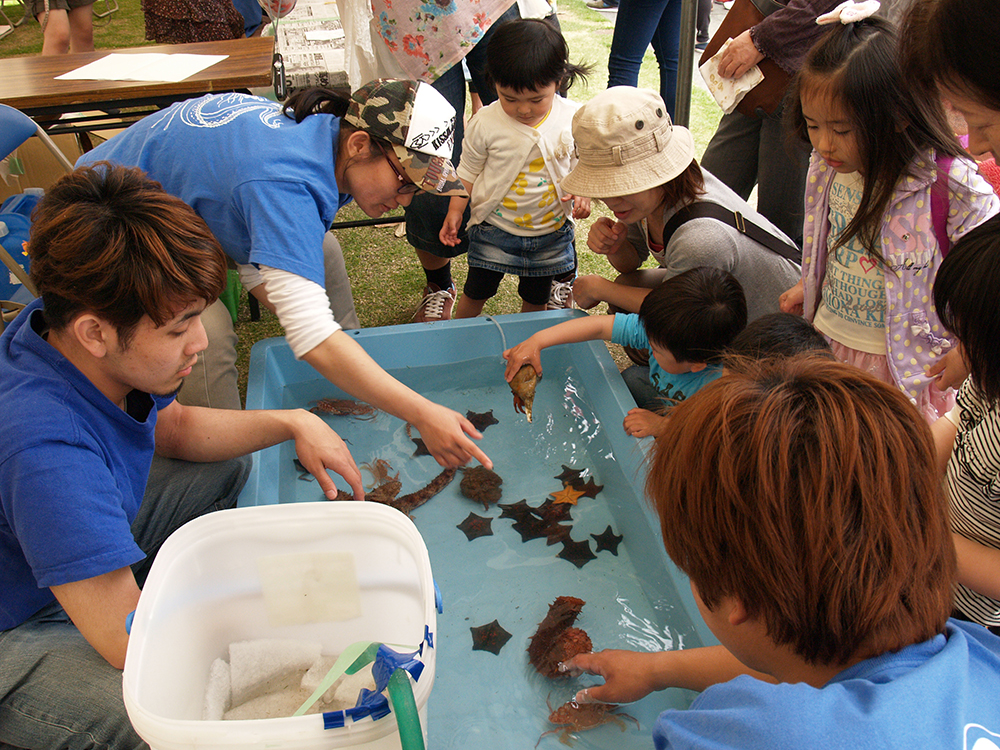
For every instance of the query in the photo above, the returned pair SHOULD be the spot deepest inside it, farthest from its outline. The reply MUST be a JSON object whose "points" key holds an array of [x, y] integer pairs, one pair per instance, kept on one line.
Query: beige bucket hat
{"points": [[626, 144]]}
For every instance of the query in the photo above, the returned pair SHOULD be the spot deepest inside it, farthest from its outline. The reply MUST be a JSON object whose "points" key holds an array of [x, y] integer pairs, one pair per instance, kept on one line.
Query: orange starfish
{"points": [[567, 495]]}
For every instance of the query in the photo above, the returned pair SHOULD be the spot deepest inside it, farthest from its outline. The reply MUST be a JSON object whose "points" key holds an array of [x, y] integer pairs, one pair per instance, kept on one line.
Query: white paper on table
{"points": [[145, 66]]}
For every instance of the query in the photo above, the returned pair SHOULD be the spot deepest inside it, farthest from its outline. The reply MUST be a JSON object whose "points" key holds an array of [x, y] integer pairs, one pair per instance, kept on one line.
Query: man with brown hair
{"points": [[802, 499], [88, 375]]}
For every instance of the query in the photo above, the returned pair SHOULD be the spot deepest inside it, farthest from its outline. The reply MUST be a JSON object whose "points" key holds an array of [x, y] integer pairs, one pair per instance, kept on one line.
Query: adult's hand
{"points": [[739, 57], [606, 236], [448, 436], [588, 290], [320, 448]]}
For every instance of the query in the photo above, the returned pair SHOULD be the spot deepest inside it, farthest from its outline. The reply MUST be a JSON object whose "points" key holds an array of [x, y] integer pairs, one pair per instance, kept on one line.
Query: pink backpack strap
{"points": [[939, 203]]}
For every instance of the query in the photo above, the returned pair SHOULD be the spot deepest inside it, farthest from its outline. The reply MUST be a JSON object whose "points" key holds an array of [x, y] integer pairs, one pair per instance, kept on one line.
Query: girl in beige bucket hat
{"points": [[643, 167]]}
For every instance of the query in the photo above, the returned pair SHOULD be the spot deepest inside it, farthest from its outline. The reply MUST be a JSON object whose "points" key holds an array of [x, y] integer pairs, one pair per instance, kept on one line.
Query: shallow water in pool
{"points": [[499, 701]]}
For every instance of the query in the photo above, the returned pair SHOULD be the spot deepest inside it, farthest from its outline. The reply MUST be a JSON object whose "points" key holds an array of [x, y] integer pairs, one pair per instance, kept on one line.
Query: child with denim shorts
{"points": [[515, 153]]}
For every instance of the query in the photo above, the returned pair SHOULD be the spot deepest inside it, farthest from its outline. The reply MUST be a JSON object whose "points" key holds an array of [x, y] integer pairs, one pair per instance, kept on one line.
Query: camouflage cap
{"points": [[418, 122]]}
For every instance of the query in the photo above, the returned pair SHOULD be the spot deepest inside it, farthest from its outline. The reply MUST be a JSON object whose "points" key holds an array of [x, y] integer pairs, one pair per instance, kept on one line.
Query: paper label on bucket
{"points": [[309, 587]]}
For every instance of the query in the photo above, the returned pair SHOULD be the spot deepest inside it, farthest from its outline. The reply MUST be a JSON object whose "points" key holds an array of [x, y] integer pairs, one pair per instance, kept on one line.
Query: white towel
{"points": [[728, 91], [255, 663], [218, 691]]}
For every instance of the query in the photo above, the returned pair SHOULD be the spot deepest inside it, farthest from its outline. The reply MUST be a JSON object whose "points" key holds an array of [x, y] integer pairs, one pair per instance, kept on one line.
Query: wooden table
{"points": [[28, 84]]}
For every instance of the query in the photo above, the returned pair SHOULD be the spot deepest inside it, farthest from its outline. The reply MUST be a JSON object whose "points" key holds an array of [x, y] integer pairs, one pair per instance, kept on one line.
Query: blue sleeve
{"points": [[285, 227], [627, 330], [68, 513]]}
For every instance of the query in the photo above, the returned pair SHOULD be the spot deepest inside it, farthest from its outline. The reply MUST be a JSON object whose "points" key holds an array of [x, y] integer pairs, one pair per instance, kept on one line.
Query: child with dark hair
{"points": [[888, 190], [777, 335], [685, 324], [968, 437], [515, 153], [800, 497]]}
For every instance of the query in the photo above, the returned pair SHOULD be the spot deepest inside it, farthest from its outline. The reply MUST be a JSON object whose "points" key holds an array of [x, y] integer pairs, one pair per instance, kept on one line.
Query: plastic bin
{"points": [[205, 591]]}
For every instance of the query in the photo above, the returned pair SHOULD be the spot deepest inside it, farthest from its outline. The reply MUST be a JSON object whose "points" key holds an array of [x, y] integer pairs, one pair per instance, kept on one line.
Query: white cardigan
{"points": [[494, 139]]}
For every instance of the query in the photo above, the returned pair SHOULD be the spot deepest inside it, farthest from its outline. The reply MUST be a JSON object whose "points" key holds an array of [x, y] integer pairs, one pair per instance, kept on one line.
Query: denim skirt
{"points": [[543, 255]]}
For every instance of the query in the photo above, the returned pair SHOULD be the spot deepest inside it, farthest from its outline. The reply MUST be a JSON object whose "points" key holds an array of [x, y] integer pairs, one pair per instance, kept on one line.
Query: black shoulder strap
{"points": [[709, 210]]}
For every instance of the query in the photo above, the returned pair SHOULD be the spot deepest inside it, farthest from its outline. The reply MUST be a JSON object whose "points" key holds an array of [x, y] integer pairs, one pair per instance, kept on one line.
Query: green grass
{"points": [[123, 28], [386, 278]]}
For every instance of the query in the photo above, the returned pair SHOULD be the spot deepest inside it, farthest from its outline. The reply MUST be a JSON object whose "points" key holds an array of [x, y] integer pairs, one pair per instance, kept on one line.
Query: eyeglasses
{"points": [[407, 187]]}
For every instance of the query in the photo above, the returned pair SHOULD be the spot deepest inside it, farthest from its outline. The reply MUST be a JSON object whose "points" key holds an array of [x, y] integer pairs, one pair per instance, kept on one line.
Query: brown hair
{"points": [[953, 42], [807, 490], [857, 65], [107, 239], [685, 187]]}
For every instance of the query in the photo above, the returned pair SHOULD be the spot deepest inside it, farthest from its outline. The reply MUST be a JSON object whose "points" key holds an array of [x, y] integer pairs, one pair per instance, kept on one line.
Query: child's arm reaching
{"points": [[453, 220], [632, 675], [528, 352]]}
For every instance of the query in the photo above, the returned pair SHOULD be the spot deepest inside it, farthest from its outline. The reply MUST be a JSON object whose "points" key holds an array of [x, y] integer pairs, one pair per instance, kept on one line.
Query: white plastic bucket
{"points": [[204, 592]]}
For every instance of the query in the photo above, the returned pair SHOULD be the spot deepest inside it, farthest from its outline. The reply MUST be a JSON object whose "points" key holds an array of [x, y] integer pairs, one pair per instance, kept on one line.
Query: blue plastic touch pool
{"points": [[635, 597]]}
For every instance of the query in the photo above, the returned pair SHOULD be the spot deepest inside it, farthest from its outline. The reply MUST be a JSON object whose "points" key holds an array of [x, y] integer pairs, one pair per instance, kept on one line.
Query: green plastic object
{"points": [[400, 691], [231, 294], [405, 707]]}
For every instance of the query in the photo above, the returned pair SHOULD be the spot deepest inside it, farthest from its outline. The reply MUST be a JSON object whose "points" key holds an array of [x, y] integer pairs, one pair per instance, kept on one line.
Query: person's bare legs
{"points": [[81, 29], [468, 307], [56, 34], [528, 307], [68, 31]]}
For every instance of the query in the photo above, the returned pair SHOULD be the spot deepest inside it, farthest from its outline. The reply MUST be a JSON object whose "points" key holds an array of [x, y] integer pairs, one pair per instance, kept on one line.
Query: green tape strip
{"points": [[347, 659]]}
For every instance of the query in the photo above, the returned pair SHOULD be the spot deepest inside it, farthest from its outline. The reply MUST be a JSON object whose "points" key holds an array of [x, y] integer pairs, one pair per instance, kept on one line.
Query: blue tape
{"points": [[374, 703]]}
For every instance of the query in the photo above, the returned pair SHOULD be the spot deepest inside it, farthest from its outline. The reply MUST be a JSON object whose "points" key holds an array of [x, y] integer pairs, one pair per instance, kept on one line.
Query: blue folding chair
{"points": [[15, 128]]}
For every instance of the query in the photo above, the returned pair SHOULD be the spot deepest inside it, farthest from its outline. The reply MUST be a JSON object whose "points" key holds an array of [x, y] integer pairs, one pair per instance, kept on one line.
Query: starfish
{"points": [[569, 474], [556, 533], [608, 540], [476, 526], [567, 495], [490, 637], [304, 474], [518, 511], [481, 420], [550, 510], [421, 448], [590, 488], [577, 553], [531, 527]]}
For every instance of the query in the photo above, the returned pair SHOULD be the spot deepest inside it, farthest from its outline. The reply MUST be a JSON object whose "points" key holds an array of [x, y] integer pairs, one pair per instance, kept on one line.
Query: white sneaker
{"points": [[560, 296]]}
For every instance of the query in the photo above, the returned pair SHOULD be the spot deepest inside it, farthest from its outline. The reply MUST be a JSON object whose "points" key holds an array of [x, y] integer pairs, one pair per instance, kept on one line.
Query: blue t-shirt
{"points": [[73, 470], [264, 185], [941, 693], [628, 330]]}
